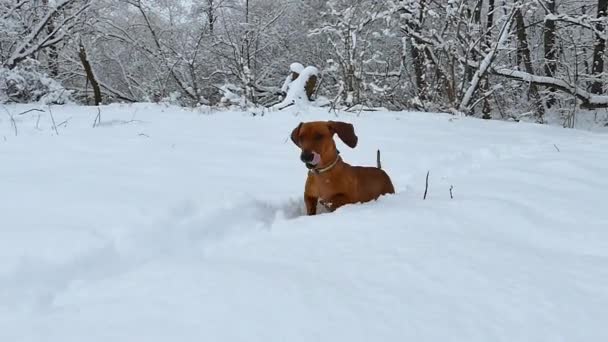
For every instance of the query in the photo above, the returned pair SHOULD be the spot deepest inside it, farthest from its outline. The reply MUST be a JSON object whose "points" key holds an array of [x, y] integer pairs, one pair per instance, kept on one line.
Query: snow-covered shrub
{"points": [[24, 84], [232, 96], [300, 88]]}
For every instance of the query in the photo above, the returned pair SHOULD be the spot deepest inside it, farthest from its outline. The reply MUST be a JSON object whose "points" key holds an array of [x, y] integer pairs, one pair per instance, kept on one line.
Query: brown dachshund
{"points": [[331, 181]]}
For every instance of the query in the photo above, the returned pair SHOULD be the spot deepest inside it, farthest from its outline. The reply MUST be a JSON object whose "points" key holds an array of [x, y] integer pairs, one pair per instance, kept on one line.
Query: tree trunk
{"points": [[310, 86], [418, 58], [210, 15], [90, 74], [52, 55], [598, 51], [476, 21], [549, 45], [523, 53], [487, 109]]}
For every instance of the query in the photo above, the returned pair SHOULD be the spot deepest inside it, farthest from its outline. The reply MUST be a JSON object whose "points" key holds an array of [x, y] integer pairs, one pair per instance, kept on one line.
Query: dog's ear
{"points": [[295, 134], [345, 131]]}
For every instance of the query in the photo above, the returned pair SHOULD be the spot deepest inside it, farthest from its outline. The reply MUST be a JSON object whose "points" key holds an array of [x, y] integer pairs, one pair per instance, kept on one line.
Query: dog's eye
{"points": [[318, 136]]}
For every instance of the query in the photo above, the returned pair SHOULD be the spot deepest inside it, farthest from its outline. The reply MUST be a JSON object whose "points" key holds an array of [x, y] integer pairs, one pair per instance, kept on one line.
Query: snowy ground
{"points": [[172, 225]]}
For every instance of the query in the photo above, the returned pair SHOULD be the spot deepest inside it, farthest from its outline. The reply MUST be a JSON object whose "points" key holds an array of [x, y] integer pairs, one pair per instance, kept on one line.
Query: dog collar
{"points": [[327, 168]]}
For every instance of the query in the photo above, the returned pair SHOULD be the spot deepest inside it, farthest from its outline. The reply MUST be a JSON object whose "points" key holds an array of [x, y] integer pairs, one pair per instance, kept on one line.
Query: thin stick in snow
{"points": [[97, 121], [14, 123], [65, 122], [557, 148], [12, 118], [451, 194], [31, 110], [53, 120], [426, 188]]}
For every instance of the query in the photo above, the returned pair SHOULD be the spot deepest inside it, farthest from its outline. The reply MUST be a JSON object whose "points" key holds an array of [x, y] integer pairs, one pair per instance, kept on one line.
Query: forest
{"points": [[493, 59]]}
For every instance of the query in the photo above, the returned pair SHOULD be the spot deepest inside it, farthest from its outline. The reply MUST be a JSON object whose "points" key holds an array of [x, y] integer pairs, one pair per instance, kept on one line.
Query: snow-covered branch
{"points": [[40, 37], [588, 100]]}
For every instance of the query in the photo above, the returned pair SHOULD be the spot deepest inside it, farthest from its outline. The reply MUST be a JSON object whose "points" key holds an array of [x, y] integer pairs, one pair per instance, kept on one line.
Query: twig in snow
{"points": [[285, 106], [334, 103], [31, 110], [97, 118], [65, 122], [14, 123], [426, 188], [12, 118], [451, 195], [557, 148], [143, 135], [37, 122], [53, 120]]}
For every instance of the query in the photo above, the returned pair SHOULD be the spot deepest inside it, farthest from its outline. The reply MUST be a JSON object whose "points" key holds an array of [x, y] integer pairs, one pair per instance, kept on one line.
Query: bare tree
{"points": [[347, 28], [599, 48]]}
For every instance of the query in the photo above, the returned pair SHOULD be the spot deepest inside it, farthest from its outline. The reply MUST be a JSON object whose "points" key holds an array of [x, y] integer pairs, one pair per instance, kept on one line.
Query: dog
{"points": [[331, 181]]}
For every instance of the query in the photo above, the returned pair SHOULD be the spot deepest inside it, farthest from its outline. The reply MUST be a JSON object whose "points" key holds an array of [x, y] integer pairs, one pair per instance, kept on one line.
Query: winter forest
{"points": [[303, 170], [500, 59]]}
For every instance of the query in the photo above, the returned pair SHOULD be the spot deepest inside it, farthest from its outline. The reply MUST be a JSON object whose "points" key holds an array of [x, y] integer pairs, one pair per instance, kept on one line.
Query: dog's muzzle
{"points": [[311, 159]]}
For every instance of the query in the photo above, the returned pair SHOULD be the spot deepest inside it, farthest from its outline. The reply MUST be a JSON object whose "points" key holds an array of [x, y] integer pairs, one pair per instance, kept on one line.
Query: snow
{"points": [[167, 224], [24, 84], [293, 68], [296, 91], [296, 67]]}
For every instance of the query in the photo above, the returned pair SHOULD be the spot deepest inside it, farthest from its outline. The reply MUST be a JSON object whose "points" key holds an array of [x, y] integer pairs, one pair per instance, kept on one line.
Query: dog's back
{"points": [[372, 182]]}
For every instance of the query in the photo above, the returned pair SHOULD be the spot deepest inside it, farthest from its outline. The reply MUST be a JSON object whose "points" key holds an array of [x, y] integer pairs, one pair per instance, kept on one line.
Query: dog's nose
{"points": [[307, 157]]}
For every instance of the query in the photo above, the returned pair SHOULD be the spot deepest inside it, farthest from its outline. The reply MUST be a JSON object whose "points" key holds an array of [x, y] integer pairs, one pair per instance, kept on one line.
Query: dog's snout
{"points": [[307, 157]]}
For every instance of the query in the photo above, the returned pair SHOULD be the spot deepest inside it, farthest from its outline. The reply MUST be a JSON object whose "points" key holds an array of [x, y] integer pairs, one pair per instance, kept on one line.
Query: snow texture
{"points": [[163, 224]]}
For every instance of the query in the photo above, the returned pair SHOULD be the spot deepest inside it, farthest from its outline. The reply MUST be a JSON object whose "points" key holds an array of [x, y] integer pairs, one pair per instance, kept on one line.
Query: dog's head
{"points": [[315, 139]]}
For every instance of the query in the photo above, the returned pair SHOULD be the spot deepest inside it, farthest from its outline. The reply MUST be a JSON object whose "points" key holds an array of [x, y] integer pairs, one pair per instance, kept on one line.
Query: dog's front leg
{"points": [[311, 204], [311, 196]]}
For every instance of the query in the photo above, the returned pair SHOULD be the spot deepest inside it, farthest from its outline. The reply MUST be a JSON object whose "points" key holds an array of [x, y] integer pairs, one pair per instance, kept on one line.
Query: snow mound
{"points": [[296, 93]]}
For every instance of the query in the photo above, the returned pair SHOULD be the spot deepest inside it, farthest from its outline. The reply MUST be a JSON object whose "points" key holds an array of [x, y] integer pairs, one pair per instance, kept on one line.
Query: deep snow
{"points": [[164, 224]]}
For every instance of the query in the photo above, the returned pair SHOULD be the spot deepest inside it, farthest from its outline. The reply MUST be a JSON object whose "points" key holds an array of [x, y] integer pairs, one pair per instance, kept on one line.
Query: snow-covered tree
{"points": [[354, 35], [509, 59]]}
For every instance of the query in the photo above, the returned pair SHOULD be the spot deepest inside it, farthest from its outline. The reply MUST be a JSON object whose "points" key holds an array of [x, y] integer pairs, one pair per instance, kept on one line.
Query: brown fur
{"points": [[342, 184]]}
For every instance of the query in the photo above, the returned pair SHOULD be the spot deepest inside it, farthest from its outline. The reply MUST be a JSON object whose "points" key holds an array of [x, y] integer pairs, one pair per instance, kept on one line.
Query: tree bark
{"points": [[549, 46], [211, 15], [487, 109], [418, 57], [476, 21], [52, 54], [523, 53], [90, 74], [598, 51]]}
